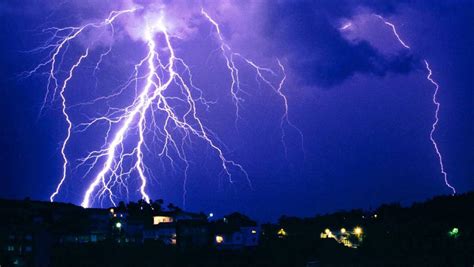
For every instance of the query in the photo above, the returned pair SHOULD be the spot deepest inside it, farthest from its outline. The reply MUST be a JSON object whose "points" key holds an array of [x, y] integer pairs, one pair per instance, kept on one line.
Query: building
{"points": [[193, 234], [164, 232], [236, 231]]}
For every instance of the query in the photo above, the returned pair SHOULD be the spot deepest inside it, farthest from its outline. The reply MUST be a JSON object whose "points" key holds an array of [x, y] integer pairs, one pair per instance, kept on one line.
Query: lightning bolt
{"points": [[235, 88], [435, 124], [165, 106], [434, 100], [394, 30]]}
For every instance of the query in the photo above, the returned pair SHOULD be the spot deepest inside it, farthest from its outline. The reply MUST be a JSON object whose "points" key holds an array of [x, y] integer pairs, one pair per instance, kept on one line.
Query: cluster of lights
{"points": [[343, 235], [220, 239]]}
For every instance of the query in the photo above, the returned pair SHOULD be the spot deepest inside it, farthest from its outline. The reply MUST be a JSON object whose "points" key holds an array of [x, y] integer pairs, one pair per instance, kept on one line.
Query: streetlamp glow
{"points": [[358, 230], [454, 233]]}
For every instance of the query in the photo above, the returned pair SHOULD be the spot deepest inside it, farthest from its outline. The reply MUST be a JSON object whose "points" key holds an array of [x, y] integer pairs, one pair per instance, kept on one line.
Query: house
{"points": [[186, 229], [193, 234], [236, 231]]}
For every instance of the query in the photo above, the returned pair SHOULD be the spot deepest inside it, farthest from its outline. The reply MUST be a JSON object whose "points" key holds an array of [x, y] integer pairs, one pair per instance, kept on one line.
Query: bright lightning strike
{"points": [[435, 102], [162, 82], [394, 30]]}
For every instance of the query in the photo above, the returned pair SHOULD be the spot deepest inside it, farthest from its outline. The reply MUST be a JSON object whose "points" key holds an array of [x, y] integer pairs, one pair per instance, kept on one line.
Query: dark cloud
{"points": [[305, 31]]}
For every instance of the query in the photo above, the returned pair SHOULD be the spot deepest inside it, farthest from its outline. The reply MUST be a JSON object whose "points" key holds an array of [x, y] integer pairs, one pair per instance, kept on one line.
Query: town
{"points": [[36, 233]]}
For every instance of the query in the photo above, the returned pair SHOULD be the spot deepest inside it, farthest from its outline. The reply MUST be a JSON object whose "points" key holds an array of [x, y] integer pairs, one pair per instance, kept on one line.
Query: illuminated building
{"points": [[236, 232], [162, 219]]}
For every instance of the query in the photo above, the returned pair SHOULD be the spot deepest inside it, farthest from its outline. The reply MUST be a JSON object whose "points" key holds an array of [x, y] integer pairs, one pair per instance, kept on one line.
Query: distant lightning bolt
{"points": [[394, 30], [435, 123], [165, 82], [435, 102], [229, 56]]}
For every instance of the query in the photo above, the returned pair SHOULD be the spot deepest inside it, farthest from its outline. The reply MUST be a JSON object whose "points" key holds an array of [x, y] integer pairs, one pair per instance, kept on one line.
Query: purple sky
{"points": [[360, 99]]}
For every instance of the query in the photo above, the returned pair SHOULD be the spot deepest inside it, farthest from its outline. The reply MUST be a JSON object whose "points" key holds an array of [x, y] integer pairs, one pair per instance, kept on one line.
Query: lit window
{"points": [[161, 219], [219, 239]]}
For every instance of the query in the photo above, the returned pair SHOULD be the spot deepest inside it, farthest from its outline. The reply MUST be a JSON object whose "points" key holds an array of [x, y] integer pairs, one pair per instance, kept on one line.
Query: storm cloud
{"points": [[306, 32]]}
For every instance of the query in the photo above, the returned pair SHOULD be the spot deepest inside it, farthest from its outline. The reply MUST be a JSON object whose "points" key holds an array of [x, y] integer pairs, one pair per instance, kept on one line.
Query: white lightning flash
{"points": [[435, 102], [159, 80]]}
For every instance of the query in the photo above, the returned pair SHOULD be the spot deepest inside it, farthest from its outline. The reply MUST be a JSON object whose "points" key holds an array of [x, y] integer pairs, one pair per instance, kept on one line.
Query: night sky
{"points": [[360, 99]]}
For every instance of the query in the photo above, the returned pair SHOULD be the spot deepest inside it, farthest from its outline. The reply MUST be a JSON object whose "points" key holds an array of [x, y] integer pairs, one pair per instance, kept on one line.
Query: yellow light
{"points": [[358, 230], [161, 219], [327, 231], [219, 239], [111, 210], [254, 231], [282, 232], [343, 230], [375, 216]]}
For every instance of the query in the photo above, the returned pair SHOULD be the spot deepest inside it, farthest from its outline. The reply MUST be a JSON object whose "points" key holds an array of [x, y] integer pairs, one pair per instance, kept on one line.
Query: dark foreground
{"points": [[439, 232]]}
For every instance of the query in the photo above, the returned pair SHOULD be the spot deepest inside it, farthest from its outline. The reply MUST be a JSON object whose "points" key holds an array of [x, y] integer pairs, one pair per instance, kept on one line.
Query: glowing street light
{"points": [[343, 230], [358, 231], [454, 233], [282, 233], [118, 225]]}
